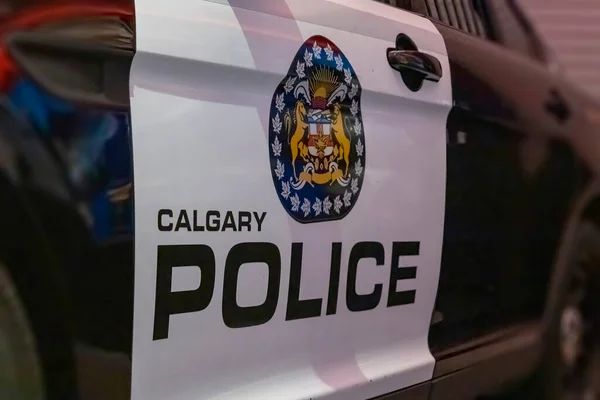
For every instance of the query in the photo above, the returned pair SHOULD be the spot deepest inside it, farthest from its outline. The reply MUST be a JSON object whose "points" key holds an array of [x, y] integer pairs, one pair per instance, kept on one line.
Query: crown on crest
{"points": [[322, 84]]}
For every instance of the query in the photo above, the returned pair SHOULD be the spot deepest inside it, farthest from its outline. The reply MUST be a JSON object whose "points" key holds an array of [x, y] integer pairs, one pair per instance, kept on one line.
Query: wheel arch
{"points": [[585, 206]]}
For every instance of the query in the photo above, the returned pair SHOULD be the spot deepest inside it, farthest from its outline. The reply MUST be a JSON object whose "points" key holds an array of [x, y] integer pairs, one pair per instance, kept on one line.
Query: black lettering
{"points": [[399, 273], [245, 220], [363, 302], [162, 227], [197, 228], [183, 221], [334, 278], [235, 316], [229, 222], [296, 308], [214, 224], [168, 303], [259, 220]]}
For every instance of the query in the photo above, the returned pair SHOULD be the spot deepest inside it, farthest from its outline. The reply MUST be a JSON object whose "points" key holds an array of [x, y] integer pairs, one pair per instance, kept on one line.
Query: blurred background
{"points": [[572, 32]]}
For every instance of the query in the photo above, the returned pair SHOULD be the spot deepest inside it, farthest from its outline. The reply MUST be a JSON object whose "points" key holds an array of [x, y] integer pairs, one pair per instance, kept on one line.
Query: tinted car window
{"points": [[417, 6], [461, 14]]}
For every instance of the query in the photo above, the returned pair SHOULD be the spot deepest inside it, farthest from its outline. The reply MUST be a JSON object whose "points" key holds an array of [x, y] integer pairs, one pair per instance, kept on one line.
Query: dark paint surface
{"points": [[83, 217], [513, 171], [512, 178]]}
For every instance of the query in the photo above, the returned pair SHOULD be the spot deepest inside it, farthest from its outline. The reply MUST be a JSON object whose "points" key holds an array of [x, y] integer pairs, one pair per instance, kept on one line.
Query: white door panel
{"points": [[190, 31], [204, 85]]}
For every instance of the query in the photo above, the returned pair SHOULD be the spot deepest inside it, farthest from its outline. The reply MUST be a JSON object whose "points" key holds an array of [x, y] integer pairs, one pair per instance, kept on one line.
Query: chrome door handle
{"points": [[428, 66]]}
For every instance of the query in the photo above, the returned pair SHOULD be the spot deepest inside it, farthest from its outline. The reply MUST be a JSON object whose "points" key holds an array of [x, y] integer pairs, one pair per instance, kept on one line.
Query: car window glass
{"points": [[460, 14], [416, 6]]}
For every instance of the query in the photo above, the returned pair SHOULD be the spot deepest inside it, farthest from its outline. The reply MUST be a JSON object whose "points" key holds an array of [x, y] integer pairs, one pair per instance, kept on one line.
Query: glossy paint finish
{"points": [[214, 145], [70, 167], [513, 175], [66, 177], [518, 176]]}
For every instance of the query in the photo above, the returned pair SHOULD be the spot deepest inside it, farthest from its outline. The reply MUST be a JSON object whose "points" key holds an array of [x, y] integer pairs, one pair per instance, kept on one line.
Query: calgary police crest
{"points": [[316, 141]]}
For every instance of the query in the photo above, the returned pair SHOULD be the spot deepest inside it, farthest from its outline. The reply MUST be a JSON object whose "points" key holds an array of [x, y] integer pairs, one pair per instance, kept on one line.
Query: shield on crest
{"points": [[320, 143]]}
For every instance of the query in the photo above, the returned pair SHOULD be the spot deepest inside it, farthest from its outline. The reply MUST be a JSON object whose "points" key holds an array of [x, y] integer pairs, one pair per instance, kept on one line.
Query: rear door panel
{"points": [[510, 180], [209, 137]]}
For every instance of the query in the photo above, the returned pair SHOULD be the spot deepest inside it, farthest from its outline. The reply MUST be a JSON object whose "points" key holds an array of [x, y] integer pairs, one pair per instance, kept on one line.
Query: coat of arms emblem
{"points": [[316, 139]]}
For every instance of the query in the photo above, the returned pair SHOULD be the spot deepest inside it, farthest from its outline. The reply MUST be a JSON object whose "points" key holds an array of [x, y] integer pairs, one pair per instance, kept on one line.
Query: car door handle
{"points": [[418, 62]]}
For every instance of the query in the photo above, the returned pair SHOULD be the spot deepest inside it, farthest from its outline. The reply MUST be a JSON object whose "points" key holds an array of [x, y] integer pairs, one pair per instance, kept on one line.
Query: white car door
{"points": [[289, 199]]}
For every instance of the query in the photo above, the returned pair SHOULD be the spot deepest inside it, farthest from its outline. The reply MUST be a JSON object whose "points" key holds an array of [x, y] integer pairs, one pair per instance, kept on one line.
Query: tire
{"points": [[21, 375], [572, 347]]}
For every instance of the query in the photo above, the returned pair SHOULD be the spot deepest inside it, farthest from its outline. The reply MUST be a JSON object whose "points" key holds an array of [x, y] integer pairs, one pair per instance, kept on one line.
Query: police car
{"points": [[293, 199]]}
